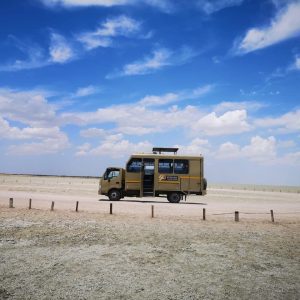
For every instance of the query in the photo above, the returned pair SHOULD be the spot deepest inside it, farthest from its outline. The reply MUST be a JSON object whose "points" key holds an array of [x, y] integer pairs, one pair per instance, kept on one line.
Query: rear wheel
{"points": [[204, 184], [174, 197], [114, 195]]}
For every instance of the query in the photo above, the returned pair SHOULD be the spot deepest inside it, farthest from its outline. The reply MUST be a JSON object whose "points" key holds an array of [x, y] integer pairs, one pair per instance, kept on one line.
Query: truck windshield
{"points": [[110, 173]]}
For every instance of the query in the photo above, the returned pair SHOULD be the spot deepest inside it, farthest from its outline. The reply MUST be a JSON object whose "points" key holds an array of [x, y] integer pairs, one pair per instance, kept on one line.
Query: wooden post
{"points": [[236, 216], [11, 202], [152, 211], [77, 206], [272, 215], [204, 214], [29, 207], [52, 206], [110, 209]]}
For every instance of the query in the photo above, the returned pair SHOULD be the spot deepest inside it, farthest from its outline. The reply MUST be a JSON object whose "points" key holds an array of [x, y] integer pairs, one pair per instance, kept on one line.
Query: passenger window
{"points": [[165, 166], [181, 166], [134, 165]]}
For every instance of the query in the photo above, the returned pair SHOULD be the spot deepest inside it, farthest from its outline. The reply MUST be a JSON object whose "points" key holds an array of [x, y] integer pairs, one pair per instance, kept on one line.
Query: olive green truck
{"points": [[155, 174]]}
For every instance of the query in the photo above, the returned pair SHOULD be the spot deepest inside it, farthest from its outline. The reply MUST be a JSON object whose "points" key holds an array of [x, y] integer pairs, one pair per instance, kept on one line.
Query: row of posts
{"points": [[11, 204], [236, 213]]}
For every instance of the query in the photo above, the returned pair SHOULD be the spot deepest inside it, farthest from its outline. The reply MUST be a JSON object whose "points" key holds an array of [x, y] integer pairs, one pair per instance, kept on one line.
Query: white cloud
{"points": [[289, 122], [164, 5], [119, 26], [92, 132], [169, 98], [86, 91], [44, 140], [228, 150], [141, 117], [243, 105], [82, 3], [115, 146], [158, 59], [92, 41], [46, 146], [296, 65], [16, 133], [196, 147], [140, 130], [28, 107], [285, 25], [286, 144], [260, 150], [113, 27], [281, 72], [83, 149], [60, 50], [159, 100], [145, 120], [35, 57], [291, 159], [231, 122], [212, 6]]}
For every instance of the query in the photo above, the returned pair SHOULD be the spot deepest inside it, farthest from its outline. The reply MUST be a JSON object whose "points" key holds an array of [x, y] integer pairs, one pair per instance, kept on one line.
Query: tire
{"points": [[204, 184], [114, 195], [174, 197]]}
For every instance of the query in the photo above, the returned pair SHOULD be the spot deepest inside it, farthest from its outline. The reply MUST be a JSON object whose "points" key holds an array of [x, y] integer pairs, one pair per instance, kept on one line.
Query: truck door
{"points": [[133, 176], [111, 179], [147, 177]]}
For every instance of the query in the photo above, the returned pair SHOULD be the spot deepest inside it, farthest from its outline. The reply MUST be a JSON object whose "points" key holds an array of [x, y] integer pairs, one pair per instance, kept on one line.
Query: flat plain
{"points": [[90, 254]]}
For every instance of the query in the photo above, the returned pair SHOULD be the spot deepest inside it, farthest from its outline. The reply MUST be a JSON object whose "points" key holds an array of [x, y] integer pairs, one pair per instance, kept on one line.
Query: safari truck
{"points": [[153, 175]]}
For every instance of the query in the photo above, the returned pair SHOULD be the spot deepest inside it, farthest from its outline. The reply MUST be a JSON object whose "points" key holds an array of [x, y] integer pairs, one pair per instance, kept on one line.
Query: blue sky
{"points": [[85, 83]]}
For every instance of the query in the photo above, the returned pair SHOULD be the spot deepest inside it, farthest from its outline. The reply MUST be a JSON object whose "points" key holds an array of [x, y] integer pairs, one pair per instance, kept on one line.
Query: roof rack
{"points": [[159, 150]]}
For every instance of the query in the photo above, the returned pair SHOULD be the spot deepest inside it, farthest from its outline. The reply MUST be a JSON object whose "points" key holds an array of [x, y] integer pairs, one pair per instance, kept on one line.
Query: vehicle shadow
{"points": [[152, 201]]}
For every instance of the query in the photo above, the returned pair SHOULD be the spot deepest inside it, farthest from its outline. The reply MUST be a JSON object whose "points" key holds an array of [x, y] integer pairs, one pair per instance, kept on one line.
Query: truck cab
{"points": [[112, 182], [155, 174]]}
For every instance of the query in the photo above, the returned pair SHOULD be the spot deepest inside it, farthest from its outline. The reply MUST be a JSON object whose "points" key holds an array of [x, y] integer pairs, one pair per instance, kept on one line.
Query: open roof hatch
{"points": [[159, 150]]}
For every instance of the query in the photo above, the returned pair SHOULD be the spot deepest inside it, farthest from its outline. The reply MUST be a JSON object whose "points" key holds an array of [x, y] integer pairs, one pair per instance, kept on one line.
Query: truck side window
{"points": [[181, 166], [165, 166], [134, 165], [114, 173], [110, 174]]}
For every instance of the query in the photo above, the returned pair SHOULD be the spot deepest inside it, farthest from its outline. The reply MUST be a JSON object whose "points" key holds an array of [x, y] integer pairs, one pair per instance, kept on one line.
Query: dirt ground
{"points": [[128, 255]]}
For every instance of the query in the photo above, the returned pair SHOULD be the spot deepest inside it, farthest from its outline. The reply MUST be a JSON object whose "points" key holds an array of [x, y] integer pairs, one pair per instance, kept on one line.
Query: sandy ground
{"points": [[129, 255]]}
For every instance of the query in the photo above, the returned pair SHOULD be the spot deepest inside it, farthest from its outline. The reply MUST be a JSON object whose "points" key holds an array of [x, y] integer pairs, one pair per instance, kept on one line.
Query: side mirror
{"points": [[108, 180]]}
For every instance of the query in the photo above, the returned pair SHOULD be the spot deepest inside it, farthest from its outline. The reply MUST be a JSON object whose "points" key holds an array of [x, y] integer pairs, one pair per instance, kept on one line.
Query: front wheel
{"points": [[174, 197], [114, 195]]}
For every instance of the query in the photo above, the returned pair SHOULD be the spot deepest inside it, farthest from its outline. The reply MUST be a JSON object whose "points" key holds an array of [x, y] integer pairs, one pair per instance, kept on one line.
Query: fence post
{"points": [[152, 211], [52, 206], [77, 206], [110, 208], [11, 202], [272, 215], [236, 216], [29, 207], [204, 214]]}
